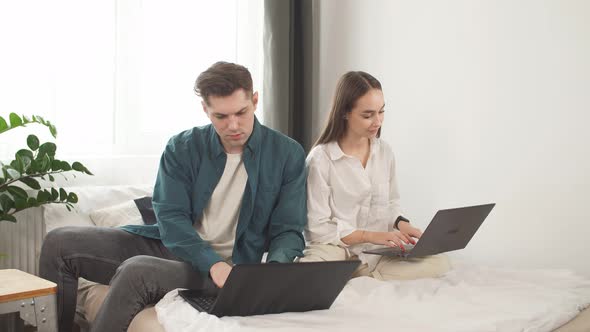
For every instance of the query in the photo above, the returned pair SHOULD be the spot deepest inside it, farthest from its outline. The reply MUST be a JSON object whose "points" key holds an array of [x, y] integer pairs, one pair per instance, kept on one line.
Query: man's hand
{"points": [[390, 239], [219, 273], [409, 231]]}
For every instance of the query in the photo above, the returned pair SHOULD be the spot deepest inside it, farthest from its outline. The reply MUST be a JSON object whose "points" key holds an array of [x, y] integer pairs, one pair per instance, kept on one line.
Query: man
{"points": [[224, 193]]}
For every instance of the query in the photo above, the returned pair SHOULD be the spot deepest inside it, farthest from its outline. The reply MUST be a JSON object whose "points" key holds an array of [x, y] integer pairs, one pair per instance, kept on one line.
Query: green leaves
{"points": [[65, 166], [32, 183], [7, 217], [77, 166], [33, 142], [43, 196], [6, 202], [24, 153], [18, 192], [22, 161], [16, 199], [72, 198], [12, 173], [63, 195], [17, 121], [3, 125], [54, 194], [38, 161], [47, 148]]}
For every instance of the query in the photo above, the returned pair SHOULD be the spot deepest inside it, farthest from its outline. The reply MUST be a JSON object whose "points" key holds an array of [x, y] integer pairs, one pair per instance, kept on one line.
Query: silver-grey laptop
{"points": [[449, 230]]}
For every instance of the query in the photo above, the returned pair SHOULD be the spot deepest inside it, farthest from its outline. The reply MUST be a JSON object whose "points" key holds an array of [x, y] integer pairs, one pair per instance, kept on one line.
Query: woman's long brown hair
{"points": [[351, 86]]}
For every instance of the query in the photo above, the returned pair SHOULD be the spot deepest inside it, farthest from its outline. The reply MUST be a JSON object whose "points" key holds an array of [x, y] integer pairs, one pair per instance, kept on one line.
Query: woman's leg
{"points": [[390, 268], [323, 253], [330, 252]]}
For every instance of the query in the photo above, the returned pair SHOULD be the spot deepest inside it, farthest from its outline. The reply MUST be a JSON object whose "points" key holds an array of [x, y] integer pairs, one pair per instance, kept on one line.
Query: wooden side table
{"points": [[32, 297]]}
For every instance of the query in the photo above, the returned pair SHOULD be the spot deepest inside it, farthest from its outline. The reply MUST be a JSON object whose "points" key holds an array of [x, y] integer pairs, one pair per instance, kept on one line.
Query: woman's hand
{"points": [[390, 239], [409, 231]]}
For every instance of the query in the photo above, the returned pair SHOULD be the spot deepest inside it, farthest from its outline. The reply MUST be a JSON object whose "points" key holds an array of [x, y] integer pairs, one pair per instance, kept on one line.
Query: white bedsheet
{"points": [[468, 298]]}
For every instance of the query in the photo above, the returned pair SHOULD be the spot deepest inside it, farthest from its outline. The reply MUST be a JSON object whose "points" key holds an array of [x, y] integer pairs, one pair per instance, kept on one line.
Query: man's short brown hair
{"points": [[222, 79]]}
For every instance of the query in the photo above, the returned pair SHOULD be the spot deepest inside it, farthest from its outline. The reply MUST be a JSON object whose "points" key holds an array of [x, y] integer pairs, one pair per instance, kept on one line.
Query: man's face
{"points": [[233, 118]]}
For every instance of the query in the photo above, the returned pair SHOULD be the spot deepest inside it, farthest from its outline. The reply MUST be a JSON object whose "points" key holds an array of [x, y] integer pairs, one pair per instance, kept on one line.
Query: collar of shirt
{"points": [[335, 152]]}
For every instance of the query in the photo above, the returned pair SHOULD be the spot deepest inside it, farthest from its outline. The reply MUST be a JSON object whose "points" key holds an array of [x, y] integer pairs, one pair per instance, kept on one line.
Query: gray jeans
{"points": [[139, 270]]}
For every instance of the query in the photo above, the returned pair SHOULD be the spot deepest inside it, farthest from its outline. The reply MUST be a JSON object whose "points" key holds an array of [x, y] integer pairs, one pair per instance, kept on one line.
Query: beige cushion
{"points": [[146, 320], [90, 298], [580, 323]]}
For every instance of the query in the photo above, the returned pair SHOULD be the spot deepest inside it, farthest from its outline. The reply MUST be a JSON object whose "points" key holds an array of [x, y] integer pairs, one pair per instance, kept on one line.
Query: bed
{"points": [[468, 298]]}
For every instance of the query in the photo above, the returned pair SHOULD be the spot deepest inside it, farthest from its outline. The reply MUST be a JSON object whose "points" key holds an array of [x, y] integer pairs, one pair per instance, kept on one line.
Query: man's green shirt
{"points": [[273, 211]]}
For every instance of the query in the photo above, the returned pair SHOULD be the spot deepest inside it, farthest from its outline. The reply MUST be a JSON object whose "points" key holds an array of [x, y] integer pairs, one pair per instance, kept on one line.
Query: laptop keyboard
{"points": [[205, 302], [398, 251], [393, 251], [405, 252]]}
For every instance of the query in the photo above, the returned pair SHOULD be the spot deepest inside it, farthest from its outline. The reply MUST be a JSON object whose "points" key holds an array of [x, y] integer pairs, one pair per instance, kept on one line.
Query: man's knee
{"points": [[53, 250], [150, 278], [55, 242], [138, 265], [60, 239], [55, 238], [138, 269]]}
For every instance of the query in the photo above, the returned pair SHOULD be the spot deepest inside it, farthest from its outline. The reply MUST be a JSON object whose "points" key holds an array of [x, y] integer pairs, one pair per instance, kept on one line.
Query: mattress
{"points": [[466, 299]]}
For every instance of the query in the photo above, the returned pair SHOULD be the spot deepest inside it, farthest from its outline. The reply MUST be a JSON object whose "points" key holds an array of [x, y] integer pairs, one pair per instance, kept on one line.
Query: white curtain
{"points": [[116, 77]]}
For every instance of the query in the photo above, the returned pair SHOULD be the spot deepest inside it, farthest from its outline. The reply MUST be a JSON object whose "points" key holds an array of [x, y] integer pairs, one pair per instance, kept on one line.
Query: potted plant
{"points": [[30, 164]]}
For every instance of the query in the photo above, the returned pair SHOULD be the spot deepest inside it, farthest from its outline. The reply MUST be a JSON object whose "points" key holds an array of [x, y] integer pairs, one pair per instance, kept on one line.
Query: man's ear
{"points": [[255, 99]]}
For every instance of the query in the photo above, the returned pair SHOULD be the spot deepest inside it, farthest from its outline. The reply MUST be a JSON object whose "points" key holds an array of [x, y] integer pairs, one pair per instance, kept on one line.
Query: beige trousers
{"points": [[388, 268]]}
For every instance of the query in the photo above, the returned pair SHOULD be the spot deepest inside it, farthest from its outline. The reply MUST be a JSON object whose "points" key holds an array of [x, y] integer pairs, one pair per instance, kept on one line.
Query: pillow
{"points": [[90, 198], [144, 205], [134, 212], [125, 213]]}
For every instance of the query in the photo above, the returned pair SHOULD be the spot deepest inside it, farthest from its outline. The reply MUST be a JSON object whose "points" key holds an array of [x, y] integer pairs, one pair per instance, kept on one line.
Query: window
{"points": [[116, 77]]}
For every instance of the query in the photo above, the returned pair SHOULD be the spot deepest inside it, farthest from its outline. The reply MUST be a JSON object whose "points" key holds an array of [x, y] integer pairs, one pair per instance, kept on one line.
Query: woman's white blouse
{"points": [[342, 196]]}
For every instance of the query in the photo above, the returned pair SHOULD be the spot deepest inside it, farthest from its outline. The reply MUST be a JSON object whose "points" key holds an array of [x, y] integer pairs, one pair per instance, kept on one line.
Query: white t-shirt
{"points": [[220, 217], [342, 196]]}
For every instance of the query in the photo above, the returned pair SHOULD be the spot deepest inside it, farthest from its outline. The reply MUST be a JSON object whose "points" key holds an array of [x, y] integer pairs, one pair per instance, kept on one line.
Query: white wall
{"points": [[486, 101], [140, 170]]}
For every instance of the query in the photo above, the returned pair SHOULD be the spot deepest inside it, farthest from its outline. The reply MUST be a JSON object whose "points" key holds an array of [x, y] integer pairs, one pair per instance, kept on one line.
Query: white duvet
{"points": [[466, 299]]}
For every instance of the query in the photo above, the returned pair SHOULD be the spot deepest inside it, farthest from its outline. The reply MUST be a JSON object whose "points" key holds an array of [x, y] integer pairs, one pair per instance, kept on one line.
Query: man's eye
{"points": [[220, 116]]}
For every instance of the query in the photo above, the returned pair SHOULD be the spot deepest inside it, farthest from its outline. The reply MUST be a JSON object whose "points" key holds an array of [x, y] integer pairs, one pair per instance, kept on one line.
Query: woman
{"points": [[353, 199]]}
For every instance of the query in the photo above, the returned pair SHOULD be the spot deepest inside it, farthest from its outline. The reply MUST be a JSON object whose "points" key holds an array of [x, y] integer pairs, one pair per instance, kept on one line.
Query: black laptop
{"points": [[255, 289], [449, 230]]}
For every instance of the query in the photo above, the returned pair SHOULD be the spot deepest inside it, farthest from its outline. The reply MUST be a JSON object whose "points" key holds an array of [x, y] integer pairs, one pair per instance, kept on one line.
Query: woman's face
{"points": [[366, 117]]}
